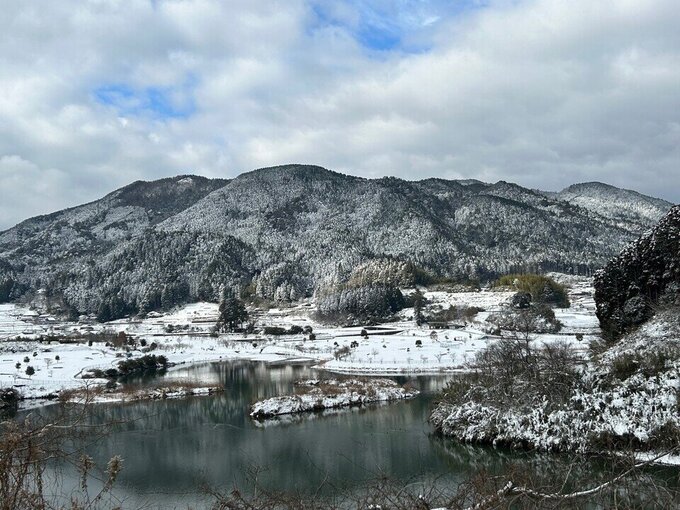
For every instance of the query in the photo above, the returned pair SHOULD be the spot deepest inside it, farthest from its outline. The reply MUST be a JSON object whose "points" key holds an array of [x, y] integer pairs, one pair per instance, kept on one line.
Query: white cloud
{"points": [[541, 92]]}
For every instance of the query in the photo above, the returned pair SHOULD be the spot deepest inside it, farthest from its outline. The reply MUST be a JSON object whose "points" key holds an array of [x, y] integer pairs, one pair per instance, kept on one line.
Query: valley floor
{"points": [[184, 337]]}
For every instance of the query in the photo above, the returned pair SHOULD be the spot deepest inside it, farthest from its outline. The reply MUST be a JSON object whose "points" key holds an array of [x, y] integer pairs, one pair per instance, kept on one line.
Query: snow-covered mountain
{"points": [[627, 208], [288, 231], [98, 226]]}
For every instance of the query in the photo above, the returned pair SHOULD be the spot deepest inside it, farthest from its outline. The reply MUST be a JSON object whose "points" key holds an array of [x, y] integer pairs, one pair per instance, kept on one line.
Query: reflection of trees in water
{"points": [[176, 445], [180, 443]]}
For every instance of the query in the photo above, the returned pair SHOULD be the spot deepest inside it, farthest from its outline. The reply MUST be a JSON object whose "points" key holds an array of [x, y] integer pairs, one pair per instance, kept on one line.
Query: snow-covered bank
{"points": [[629, 398], [98, 395], [316, 395], [664, 460]]}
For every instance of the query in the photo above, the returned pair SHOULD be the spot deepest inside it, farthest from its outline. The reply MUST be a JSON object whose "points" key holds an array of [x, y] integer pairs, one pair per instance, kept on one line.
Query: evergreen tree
{"points": [[233, 314]]}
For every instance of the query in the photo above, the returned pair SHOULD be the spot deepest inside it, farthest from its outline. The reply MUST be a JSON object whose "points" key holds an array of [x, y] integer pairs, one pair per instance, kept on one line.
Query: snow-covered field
{"points": [[184, 337]]}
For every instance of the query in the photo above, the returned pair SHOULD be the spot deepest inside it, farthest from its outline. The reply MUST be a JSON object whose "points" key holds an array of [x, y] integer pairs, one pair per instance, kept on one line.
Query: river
{"points": [[173, 448]]}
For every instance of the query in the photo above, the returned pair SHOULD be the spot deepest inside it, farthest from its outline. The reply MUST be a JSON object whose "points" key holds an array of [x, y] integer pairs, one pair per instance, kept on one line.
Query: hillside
{"points": [[645, 277], [289, 231], [624, 398], [626, 208]]}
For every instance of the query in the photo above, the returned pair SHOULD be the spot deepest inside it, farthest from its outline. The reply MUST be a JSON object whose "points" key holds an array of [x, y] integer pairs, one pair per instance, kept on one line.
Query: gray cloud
{"points": [[544, 93]]}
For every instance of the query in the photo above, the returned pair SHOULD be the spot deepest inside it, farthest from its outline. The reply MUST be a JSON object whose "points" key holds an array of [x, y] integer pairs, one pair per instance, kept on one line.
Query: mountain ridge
{"points": [[285, 232]]}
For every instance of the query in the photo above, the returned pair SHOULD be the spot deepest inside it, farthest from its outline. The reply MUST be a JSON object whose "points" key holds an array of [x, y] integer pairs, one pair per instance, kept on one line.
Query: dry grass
{"points": [[130, 392]]}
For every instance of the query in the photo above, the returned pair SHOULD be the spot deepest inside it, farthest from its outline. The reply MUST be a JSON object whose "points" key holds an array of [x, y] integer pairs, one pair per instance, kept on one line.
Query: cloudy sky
{"points": [[95, 94]]}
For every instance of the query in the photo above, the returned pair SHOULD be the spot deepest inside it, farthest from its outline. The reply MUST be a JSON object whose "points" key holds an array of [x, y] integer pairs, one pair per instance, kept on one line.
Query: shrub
{"points": [[624, 366], [342, 352], [535, 319], [542, 289], [149, 362], [274, 330], [510, 372], [649, 364], [9, 398], [30, 371], [452, 313]]}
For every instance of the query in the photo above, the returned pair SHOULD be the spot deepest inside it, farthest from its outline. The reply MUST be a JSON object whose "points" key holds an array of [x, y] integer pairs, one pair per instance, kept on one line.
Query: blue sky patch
{"points": [[389, 25], [158, 102]]}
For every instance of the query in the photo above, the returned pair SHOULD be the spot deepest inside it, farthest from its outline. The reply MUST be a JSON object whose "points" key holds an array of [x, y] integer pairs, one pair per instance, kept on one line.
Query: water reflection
{"points": [[172, 447]]}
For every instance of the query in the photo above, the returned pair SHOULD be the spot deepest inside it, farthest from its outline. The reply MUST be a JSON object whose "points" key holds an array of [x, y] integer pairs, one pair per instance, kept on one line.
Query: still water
{"points": [[172, 448]]}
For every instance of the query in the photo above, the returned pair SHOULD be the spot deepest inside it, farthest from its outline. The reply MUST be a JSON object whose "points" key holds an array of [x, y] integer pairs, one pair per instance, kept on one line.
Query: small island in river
{"points": [[319, 394]]}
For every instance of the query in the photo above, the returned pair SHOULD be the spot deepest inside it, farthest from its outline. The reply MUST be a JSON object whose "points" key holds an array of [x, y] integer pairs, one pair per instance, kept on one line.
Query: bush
{"points": [[510, 372], [453, 313], [649, 364], [30, 371], [342, 352], [147, 363], [542, 289], [274, 330], [624, 366], [535, 319], [9, 398]]}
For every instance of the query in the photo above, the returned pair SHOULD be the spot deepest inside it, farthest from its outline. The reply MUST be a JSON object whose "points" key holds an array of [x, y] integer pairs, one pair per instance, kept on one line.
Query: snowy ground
{"points": [[316, 395], [183, 336]]}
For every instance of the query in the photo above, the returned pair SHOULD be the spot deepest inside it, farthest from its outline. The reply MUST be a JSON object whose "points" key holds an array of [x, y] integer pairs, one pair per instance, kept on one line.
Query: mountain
{"points": [[98, 226], [644, 278], [290, 231], [628, 209]]}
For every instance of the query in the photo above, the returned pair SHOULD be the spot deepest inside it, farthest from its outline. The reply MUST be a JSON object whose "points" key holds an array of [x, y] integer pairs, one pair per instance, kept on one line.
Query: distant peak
{"points": [[595, 188], [470, 182], [589, 185], [292, 170]]}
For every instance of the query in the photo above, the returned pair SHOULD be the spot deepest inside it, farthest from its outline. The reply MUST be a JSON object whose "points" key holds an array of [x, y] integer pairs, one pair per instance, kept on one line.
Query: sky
{"points": [[95, 94]]}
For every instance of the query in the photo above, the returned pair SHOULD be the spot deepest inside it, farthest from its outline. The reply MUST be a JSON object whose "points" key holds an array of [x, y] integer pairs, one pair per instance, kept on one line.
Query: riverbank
{"points": [[102, 395]]}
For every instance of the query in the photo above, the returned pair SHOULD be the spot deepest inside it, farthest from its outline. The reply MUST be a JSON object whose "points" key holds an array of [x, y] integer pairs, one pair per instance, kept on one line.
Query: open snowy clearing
{"points": [[184, 337]]}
